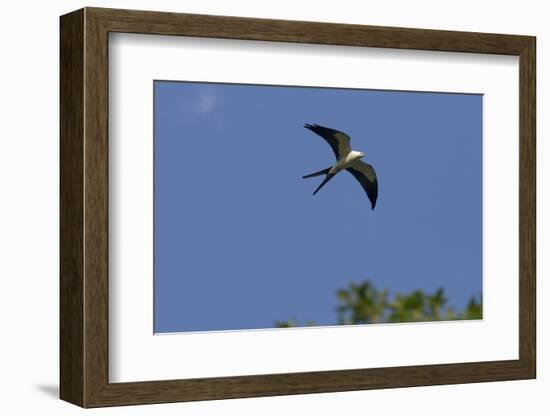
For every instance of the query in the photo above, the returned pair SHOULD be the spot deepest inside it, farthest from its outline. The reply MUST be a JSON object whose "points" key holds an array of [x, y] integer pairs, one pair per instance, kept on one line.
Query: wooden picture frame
{"points": [[84, 207]]}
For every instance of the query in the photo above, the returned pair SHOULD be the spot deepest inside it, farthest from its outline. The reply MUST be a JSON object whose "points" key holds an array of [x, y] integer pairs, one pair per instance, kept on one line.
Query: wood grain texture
{"points": [[84, 207], [162, 23], [96, 227], [527, 208], [71, 158]]}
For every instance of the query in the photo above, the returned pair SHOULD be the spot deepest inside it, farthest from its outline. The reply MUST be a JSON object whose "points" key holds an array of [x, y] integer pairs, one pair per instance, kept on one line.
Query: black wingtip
{"points": [[311, 126]]}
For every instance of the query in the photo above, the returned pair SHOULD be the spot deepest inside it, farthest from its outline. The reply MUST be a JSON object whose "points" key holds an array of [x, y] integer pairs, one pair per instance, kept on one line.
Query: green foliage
{"points": [[290, 323], [417, 306], [364, 304], [361, 304], [473, 310]]}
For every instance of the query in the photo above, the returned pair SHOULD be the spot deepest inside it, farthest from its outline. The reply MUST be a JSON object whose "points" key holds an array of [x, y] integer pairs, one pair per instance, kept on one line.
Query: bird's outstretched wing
{"points": [[366, 176], [338, 141]]}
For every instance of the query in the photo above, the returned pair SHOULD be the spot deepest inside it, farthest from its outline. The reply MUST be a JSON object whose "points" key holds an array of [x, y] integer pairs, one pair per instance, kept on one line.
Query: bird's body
{"points": [[347, 159]]}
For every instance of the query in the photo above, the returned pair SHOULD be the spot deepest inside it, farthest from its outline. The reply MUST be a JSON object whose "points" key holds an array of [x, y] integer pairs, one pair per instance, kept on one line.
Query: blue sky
{"points": [[241, 242]]}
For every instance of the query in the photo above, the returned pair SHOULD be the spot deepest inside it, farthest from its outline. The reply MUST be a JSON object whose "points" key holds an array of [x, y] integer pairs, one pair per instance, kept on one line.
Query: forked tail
{"points": [[327, 178], [321, 172]]}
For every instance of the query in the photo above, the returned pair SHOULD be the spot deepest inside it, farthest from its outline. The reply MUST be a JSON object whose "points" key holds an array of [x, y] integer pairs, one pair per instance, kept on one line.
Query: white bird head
{"points": [[361, 154]]}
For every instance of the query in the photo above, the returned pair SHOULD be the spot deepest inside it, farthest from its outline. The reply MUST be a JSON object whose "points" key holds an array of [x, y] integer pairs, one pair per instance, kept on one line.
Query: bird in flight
{"points": [[347, 159]]}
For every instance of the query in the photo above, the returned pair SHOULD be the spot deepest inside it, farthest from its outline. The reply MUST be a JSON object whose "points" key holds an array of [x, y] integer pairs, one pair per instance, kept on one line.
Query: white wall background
{"points": [[29, 206]]}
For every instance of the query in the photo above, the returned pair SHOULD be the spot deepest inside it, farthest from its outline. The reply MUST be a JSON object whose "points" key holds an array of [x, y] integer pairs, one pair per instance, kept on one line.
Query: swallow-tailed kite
{"points": [[347, 159]]}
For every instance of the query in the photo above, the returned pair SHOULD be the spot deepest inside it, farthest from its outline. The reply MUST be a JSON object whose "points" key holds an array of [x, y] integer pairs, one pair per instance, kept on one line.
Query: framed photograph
{"points": [[254, 207]]}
